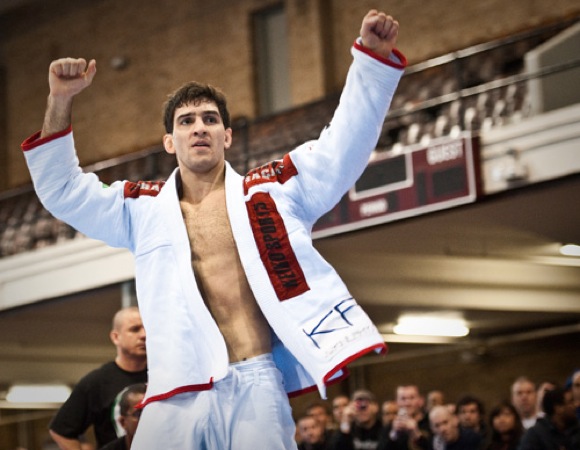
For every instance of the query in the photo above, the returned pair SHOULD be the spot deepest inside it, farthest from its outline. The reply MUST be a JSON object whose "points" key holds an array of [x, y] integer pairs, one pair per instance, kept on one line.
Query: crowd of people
{"points": [[534, 416]]}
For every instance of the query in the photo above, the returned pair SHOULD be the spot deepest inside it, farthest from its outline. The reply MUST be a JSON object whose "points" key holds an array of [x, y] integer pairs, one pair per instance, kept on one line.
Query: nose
{"points": [[199, 128]]}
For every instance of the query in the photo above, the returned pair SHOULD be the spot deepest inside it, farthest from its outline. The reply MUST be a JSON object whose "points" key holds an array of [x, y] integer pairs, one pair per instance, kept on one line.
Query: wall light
{"points": [[38, 393], [431, 325], [570, 250]]}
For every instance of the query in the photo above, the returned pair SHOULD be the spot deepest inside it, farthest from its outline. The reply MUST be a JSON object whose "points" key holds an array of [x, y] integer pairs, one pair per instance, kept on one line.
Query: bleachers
{"points": [[475, 89]]}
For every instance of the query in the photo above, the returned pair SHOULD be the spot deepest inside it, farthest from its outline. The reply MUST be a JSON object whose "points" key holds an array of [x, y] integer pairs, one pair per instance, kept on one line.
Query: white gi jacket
{"points": [[317, 326]]}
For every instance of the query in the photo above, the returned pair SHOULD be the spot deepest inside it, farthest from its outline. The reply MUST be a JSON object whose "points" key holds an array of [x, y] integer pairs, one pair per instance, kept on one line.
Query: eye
{"points": [[211, 119], [185, 121]]}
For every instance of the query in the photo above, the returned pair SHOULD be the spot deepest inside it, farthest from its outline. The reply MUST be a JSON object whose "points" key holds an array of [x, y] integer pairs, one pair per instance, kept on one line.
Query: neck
{"points": [[368, 424], [529, 414], [129, 364], [195, 187]]}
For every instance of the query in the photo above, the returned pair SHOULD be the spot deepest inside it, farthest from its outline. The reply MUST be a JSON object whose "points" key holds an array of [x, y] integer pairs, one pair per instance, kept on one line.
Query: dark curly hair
{"points": [[194, 92]]}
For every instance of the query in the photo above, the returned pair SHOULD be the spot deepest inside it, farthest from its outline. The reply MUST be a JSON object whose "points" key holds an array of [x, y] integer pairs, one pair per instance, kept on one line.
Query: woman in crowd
{"points": [[506, 427]]}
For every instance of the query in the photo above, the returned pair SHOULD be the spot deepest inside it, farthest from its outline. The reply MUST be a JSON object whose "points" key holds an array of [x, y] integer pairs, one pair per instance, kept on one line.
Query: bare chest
{"points": [[208, 228], [221, 278]]}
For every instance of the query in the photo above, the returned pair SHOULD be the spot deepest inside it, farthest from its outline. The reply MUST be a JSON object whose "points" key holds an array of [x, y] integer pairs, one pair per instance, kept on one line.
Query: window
{"points": [[271, 60]]}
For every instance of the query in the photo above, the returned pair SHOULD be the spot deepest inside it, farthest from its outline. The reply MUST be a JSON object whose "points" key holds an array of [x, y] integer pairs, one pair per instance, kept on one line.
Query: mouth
{"points": [[200, 144]]}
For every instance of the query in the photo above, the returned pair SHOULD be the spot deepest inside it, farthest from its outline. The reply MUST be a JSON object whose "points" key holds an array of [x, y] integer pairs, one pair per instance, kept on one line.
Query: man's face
{"points": [[310, 430], [435, 398], [319, 413], [366, 410], [576, 388], [524, 398], [469, 416], [199, 139], [129, 336], [408, 398], [444, 425], [130, 421], [389, 412], [338, 405]]}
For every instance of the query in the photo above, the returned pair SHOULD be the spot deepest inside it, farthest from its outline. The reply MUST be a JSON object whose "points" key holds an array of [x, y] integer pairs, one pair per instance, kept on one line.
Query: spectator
{"points": [[524, 399], [92, 400], [359, 428], [320, 412], [339, 403], [471, 415], [559, 429], [129, 416], [506, 427], [389, 410], [542, 388], [410, 429], [574, 384], [434, 398], [311, 433], [447, 435]]}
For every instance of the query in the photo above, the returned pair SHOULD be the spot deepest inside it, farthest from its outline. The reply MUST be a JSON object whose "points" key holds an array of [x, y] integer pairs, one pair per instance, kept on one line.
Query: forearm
{"points": [[65, 443], [57, 116]]}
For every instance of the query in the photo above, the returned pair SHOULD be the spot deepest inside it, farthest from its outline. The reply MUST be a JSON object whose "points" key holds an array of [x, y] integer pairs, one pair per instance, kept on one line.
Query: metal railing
{"points": [[25, 225]]}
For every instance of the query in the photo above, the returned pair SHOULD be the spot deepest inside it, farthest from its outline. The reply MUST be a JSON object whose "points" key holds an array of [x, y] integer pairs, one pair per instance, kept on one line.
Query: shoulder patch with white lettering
{"points": [[142, 188], [278, 171]]}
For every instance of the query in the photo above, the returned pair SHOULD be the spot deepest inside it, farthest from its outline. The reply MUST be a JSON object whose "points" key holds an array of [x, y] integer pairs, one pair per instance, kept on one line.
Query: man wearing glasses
{"points": [[129, 418]]}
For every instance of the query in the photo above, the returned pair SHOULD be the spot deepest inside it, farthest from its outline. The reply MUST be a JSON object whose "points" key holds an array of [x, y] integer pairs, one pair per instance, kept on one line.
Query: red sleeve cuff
{"points": [[390, 62], [35, 140]]}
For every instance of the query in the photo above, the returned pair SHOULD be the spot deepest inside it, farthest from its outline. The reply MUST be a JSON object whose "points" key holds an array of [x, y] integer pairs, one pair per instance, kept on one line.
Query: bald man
{"points": [[93, 399], [446, 431]]}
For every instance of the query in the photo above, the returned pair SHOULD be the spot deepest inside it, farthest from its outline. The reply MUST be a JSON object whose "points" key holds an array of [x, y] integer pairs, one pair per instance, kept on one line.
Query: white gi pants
{"points": [[247, 410]]}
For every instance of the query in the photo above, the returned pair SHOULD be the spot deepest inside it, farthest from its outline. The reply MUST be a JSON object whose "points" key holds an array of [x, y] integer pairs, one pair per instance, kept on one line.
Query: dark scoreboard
{"points": [[416, 180]]}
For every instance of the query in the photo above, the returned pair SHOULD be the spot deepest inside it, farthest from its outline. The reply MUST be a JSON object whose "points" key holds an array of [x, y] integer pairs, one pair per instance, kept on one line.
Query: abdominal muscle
{"points": [[222, 280]]}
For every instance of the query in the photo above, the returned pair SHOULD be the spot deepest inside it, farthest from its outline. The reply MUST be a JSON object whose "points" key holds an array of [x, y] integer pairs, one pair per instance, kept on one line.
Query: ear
{"points": [[114, 335], [228, 139], [168, 143]]}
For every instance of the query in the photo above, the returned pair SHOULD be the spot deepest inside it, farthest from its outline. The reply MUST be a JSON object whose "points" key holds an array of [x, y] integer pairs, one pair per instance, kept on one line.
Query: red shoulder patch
{"points": [[278, 171], [135, 190]]}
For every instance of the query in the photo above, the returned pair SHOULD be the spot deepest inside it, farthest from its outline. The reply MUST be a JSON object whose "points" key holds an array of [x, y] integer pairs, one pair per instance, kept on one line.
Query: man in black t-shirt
{"points": [[93, 398], [360, 428], [410, 428]]}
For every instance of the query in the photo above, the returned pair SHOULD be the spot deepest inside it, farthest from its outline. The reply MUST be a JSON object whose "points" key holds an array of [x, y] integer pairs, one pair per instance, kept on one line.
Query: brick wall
{"points": [[168, 43]]}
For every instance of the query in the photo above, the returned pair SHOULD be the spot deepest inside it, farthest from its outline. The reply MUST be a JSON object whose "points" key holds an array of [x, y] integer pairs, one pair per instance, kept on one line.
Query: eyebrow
{"points": [[210, 112]]}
